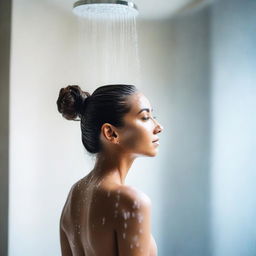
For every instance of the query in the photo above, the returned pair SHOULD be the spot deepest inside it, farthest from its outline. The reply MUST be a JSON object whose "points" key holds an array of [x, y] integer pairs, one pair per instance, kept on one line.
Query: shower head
{"points": [[101, 8]]}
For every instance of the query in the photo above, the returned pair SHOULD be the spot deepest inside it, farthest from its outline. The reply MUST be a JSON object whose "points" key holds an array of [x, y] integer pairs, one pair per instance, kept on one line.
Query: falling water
{"points": [[109, 48]]}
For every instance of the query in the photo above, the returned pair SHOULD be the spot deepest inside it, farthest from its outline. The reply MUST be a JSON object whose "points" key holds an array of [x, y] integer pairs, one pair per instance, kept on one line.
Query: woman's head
{"points": [[108, 117]]}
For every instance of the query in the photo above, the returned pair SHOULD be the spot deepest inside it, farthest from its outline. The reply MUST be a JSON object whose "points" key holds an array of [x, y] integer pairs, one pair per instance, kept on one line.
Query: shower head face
{"points": [[104, 8]]}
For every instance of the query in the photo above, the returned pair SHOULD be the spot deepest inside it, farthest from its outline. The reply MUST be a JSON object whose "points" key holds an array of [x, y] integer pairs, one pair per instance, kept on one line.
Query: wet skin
{"points": [[102, 216]]}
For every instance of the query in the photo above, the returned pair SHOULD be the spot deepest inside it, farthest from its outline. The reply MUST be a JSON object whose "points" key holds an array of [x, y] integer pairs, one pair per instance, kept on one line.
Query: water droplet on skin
{"points": [[118, 191], [116, 204], [140, 218], [108, 193], [131, 246], [125, 225], [137, 244], [140, 231], [103, 220], [126, 215], [133, 214], [72, 241], [135, 238], [135, 204], [124, 235]]}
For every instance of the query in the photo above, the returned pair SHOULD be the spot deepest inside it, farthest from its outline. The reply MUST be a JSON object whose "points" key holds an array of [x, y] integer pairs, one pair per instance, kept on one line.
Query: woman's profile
{"points": [[102, 216]]}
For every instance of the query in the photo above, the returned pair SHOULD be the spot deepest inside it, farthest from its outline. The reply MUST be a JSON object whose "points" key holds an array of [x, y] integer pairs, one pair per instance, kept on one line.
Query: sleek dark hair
{"points": [[107, 104]]}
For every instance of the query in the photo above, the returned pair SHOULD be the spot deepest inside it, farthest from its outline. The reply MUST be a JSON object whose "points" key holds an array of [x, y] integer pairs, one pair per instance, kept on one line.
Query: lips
{"points": [[155, 140]]}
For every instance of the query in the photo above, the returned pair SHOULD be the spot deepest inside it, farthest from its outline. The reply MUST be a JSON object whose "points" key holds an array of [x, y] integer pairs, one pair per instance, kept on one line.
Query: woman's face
{"points": [[140, 129]]}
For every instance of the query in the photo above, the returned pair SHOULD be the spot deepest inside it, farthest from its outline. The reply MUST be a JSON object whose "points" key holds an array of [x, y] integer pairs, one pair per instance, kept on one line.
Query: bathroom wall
{"points": [[45, 150], [5, 31], [233, 168], [187, 178]]}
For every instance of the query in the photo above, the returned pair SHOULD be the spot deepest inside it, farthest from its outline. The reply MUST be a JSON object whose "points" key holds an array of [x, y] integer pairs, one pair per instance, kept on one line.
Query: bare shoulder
{"points": [[134, 196], [125, 193], [132, 222]]}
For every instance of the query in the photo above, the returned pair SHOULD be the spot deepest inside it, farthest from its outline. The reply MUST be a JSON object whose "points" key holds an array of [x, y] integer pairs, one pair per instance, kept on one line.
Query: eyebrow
{"points": [[145, 109]]}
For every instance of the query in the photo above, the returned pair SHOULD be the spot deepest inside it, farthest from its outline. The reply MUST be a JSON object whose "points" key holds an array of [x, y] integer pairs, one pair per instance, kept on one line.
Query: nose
{"points": [[159, 127]]}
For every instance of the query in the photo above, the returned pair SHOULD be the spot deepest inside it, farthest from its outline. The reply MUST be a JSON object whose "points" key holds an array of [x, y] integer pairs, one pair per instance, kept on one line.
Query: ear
{"points": [[110, 133]]}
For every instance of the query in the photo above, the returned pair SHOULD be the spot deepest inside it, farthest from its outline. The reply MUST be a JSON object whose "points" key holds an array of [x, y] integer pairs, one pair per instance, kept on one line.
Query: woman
{"points": [[102, 216]]}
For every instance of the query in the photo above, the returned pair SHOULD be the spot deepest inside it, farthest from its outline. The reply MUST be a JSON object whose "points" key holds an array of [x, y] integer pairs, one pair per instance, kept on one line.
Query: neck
{"points": [[113, 166]]}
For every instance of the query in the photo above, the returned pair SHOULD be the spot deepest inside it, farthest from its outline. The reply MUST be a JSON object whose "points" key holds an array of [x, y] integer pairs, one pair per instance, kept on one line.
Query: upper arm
{"points": [[133, 224], [65, 247]]}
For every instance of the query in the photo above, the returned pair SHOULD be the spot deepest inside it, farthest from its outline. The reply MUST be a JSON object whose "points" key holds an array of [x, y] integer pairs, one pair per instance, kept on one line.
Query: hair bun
{"points": [[71, 101]]}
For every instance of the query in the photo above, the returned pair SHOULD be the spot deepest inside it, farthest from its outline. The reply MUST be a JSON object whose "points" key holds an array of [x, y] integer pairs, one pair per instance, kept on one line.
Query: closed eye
{"points": [[146, 118]]}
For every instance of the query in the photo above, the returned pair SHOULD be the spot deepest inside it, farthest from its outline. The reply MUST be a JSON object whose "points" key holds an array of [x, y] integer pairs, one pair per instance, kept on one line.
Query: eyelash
{"points": [[146, 118]]}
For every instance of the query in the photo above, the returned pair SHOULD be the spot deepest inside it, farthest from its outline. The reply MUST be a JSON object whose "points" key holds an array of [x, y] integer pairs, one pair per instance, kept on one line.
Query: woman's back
{"points": [[105, 219]]}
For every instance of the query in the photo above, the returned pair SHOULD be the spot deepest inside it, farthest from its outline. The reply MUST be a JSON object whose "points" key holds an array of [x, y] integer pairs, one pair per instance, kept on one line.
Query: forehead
{"points": [[138, 101]]}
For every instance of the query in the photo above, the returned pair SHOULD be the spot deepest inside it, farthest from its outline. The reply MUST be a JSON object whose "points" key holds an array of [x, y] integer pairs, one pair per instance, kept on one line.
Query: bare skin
{"points": [[102, 216]]}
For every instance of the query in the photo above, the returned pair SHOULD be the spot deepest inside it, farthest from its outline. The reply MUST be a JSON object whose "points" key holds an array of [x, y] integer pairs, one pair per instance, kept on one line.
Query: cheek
{"points": [[131, 138], [134, 136]]}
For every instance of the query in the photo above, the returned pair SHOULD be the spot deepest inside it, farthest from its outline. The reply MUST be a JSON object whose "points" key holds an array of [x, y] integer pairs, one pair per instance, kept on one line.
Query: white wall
{"points": [[175, 64], [234, 125], [45, 150]]}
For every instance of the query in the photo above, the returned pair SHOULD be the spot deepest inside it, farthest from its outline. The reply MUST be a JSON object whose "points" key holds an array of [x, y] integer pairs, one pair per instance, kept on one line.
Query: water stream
{"points": [[108, 48]]}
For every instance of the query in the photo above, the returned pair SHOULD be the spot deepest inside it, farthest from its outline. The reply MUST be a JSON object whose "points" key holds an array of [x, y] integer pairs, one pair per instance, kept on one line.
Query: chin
{"points": [[149, 154], [152, 153]]}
